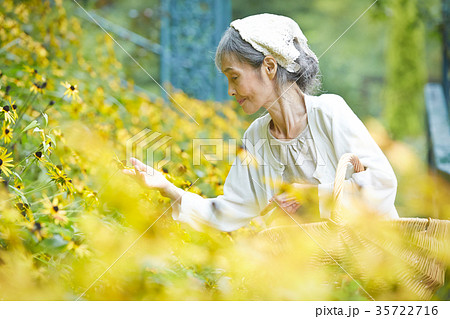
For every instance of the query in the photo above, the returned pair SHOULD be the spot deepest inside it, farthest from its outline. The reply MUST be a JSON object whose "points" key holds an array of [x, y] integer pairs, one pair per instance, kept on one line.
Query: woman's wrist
{"points": [[171, 191]]}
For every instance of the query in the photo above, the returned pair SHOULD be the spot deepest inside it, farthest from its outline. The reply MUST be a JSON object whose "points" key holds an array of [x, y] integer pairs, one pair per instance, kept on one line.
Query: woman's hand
{"points": [[147, 176], [290, 200], [286, 202]]}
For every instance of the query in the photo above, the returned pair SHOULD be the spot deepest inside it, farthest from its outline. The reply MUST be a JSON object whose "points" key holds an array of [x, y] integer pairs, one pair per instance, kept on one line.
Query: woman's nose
{"points": [[231, 91]]}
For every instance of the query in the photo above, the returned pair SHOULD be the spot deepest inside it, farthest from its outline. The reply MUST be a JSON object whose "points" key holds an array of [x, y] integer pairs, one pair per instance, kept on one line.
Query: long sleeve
{"points": [[234, 209], [378, 182]]}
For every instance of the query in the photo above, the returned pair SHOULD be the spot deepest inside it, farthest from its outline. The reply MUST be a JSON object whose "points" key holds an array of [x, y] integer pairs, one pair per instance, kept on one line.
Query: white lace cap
{"points": [[274, 35]]}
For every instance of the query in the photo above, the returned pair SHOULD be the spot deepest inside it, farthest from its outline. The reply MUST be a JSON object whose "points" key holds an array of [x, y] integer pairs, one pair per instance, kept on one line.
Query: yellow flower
{"points": [[38, 86], [49, 146], [54, 209], [39, 230], [80, 250], [9, 111], [18, 184], [71, 91], [6, 133], [5, 161], [25, 210], [31, 71], [60, 178], [40, 156], [91, 198], [12, 105]]}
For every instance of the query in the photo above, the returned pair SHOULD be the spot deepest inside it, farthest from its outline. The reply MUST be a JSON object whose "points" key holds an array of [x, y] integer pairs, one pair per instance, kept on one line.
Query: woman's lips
{"points": [[241, 101]]}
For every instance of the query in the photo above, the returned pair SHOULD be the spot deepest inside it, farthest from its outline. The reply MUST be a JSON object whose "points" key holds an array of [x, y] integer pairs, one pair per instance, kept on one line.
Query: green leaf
{"points": [[31, 125], [18, 176], [45, 118], [19, 193], [55, 229], [52, 140], [53, 245]]}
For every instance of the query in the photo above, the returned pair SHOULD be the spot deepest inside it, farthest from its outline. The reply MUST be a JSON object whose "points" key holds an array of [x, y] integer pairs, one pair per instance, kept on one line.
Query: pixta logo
{"points": [[153, 146]]}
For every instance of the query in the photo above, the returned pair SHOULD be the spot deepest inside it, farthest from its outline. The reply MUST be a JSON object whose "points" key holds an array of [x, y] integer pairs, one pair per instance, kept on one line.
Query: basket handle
{"points": [[345, 160]]}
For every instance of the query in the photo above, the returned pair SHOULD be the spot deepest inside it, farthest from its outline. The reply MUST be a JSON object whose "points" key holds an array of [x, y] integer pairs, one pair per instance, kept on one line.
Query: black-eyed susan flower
{"points": [[39, 230], [91, 198], [71, 91], [40, 156], [5, 161], [48, 146], [9, 113], [31, 71], [7, 132], [54, 209], [13, 106], [18, 184], [25, 210], [81, 250], [38, 86], [60, 178]]}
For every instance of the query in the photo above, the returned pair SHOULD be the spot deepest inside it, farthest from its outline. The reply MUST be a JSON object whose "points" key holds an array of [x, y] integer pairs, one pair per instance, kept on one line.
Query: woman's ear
{"points": [[270, 66]]}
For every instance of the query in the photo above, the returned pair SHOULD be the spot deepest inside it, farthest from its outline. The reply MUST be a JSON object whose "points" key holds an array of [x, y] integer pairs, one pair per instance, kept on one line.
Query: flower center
{"points": [[72, 88], [6, 108], [55, 208]]}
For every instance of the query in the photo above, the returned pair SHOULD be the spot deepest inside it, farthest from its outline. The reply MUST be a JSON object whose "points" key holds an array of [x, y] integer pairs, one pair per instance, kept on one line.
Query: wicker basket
{"points": [[417, 248]]}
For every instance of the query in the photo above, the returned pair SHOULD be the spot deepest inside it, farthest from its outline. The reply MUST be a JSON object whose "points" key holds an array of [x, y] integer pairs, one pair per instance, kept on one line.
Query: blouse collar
{"points": [[266, 134]]}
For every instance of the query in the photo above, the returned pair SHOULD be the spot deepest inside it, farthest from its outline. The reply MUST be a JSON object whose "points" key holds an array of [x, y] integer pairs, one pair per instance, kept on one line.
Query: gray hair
{"points": [[307, 78]]}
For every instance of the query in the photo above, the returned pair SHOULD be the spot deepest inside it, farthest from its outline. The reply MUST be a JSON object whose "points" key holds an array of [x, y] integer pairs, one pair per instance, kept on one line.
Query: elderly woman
{"points": [[298, 141]]}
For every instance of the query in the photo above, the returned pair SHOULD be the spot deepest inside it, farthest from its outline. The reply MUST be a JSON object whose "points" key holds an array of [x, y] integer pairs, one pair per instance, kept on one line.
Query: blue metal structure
{"points": [[438, 128], [446, 47], [190, 32], [437, 107]]}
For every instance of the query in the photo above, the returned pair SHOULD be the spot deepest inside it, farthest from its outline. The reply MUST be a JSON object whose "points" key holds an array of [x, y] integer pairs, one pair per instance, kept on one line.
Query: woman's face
{"points": [[251, 87]]}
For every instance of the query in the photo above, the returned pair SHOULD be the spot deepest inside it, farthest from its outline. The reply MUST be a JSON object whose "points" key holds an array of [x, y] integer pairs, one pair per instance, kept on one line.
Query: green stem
{"points": [[26, 157], [24, 110], [17, 136], [26, 167], [47, 108], [26, 100]]}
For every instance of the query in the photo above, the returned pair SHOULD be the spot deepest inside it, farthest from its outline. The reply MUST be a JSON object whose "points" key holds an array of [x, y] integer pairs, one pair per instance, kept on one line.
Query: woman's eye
{"points": [[234, 77]]}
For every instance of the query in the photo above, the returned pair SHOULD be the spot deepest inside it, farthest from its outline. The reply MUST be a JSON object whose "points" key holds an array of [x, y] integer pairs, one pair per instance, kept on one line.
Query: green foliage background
{"points": [[380, 65]]}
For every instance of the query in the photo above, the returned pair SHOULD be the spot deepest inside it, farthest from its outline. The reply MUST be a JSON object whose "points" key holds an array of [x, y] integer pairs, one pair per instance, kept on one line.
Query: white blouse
{"points": [[297, 155], [334, 130]]}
